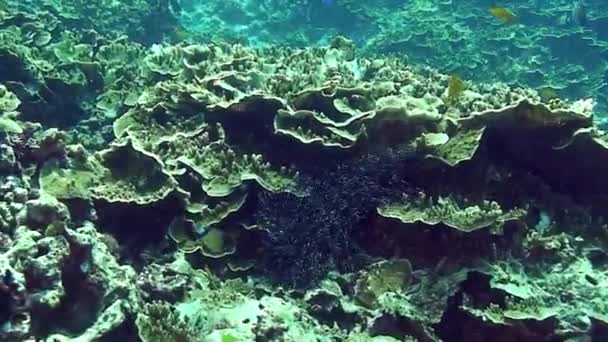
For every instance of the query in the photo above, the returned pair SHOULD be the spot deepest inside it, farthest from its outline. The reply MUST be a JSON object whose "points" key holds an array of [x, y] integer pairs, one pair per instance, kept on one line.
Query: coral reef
{"points": [[218, 192], [545, 49], [142, 21]]}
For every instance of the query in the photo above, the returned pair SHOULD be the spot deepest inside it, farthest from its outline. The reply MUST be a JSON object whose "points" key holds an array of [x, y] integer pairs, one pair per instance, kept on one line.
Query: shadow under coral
{"points": [[141, 231]]}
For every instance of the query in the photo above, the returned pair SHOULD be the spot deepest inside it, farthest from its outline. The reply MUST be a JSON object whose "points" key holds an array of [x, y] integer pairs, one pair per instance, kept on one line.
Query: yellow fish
{"points": [[547, 94], [180, 34], [455, 87], [503, 14]]}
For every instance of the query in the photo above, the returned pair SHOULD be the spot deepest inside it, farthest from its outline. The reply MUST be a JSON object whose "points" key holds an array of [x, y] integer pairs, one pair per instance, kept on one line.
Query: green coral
{"points": [[192, 236], [202, 149], [160, 322], [311, 127], [454, 150], [8, 111], [460, 215], [119, 174], [69, 68], [225, 171], [381, 278], [535, 294]]}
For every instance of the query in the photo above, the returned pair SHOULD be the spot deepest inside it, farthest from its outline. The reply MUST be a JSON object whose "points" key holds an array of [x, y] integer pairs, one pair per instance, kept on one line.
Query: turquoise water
{"points": [[545, 47]]}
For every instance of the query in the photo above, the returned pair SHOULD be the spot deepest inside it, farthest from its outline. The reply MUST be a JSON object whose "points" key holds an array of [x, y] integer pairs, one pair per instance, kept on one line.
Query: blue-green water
{"points": [[546, 46]]}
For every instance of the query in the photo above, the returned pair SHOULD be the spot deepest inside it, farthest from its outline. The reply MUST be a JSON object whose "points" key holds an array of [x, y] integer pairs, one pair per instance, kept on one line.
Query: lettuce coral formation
{"points": [[433, 33], [204, 192]]}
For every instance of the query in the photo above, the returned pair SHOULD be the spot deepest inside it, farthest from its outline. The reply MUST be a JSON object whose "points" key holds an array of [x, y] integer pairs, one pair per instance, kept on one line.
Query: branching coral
{"points": [[159, 322]]}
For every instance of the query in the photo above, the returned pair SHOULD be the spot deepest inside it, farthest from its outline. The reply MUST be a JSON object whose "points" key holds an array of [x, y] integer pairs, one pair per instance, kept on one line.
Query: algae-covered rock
{"points": [[8, 111], [381, 278], [111, 285], [248, 318], [8, 159], [47, 267], [215, 310], [45, 263], [46, 212], [8, 101]]}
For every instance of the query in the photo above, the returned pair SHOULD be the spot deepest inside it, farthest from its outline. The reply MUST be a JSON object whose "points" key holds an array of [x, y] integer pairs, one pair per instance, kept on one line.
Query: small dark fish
{"points": [[8, 277], [579, 13]]}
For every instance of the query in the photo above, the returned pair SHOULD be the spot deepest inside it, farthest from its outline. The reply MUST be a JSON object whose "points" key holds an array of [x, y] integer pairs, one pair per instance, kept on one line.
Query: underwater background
{"points": [[303, 170]]}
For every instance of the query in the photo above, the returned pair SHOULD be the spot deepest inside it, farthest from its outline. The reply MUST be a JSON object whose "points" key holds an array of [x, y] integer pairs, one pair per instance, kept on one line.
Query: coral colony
{"points": [[301, 171]]}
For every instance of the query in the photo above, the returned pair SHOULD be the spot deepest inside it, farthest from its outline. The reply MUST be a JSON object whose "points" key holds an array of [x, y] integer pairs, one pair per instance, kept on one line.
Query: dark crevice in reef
{"points": [[81, 304], [540, 157], [398, 327], [426, 246], [458, 325], [140, 230], [127, 331]]}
